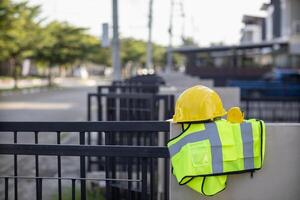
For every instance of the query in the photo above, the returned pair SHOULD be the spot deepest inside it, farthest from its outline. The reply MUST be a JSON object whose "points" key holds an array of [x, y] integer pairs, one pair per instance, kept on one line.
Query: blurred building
{"points": [[254, 30], [266, 42]]}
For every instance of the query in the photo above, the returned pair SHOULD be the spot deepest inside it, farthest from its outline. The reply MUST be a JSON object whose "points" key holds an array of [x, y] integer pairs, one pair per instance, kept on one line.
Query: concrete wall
{"points": [[230, 96], [279, 179]]}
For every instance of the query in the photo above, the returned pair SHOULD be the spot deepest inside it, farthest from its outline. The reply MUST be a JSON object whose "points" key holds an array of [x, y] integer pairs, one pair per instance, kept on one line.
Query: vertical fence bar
{"points": [[16, 168], [89, 158], [36, 141], [144, 178], [89, 107], [138, 167], [152, 137], [107, 170], [99, 107], [59, 168], [89, 163], [73, 189], [6, 188], [167, 171], [167, 179], [82, 168], [130, 162], [152, 173], [40, 189], [129, 176], [99, 158], [99, 134]]}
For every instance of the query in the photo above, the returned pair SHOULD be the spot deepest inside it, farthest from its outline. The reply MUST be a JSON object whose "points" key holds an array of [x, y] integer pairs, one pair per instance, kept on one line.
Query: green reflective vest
{"points": [[204, 153]]}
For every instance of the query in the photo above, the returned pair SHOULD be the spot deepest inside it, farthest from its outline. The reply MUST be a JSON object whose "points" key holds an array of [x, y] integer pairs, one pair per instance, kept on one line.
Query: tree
{"points": [[133, 50], [91, 51], [19, 36], [62, 46]]}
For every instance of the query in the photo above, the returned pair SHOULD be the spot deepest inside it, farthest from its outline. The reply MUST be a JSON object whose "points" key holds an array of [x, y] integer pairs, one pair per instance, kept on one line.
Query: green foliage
{"points": [[23, 36], [92, 51], [56, 44], [66, 45], [133, 50], [159, 55], [19, 29], [61, 44]]}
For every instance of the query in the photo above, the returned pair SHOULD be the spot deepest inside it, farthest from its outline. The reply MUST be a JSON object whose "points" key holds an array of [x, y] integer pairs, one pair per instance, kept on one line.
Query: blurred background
{"points": [[66, 60], [46, 45]]}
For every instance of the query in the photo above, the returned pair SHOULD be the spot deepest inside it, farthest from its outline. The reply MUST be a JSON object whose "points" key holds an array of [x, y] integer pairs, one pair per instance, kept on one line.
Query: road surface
{"points": [[68, 104]]}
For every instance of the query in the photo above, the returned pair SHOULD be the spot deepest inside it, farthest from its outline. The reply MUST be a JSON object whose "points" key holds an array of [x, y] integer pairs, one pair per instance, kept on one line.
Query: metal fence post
{"points": [[144, 178], [16, 167], [82, 168]]}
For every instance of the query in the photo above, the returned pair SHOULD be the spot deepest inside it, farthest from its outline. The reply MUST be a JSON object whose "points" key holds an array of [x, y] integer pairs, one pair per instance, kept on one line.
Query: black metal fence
{"points": [[275, 109], [129, 106], [126, 102], [134, 181], [121, 87]]}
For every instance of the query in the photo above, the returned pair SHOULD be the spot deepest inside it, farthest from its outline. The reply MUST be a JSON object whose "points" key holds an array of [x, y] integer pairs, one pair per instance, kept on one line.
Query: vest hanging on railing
{"points": [[204, 153]]}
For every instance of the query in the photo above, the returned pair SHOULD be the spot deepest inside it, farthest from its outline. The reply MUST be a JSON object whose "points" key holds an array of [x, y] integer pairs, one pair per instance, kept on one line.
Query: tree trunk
{"points": [[49, 77], [60, 70], [13, 64]]}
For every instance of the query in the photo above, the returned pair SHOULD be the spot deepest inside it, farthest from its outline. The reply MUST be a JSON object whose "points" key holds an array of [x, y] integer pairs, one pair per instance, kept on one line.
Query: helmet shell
{"points": [[198, 103], [235, 115]]}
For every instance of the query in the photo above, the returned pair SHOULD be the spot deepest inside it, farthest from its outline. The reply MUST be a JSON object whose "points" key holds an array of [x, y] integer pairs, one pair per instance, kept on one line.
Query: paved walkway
{"points": [[68, 104]]}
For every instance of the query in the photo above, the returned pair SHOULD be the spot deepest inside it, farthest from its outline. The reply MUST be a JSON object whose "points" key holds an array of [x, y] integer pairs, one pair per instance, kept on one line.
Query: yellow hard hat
{"points": [[198, 103], [235, 115]]}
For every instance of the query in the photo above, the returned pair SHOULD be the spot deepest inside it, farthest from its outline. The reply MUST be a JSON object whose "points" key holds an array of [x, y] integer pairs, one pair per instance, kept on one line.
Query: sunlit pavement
{"points": [[67, 104], [6, 84]]}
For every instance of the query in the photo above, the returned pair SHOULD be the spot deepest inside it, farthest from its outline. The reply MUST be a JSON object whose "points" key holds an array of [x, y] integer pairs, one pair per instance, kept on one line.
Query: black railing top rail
{"points": [[72, 178], [121, 126], [274, 99], [84, 150], [124, 95], [131, 95], [128, 86]]}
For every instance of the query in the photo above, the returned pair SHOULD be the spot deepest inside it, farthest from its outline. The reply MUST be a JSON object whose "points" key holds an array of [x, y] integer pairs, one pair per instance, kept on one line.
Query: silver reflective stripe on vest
{"points": [[216, 148], [247, 137], [211, 133], [194, 137]]}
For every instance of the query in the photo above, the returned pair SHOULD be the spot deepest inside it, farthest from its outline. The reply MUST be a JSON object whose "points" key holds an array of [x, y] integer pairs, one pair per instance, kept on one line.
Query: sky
{"points": [[206, 21]]}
